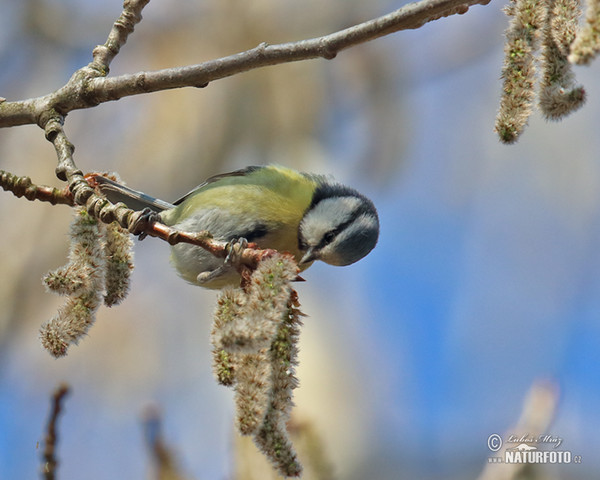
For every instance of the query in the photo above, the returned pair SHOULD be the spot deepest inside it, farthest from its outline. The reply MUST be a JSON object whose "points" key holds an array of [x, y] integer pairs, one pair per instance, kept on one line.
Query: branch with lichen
{"points": [[254, 336]]}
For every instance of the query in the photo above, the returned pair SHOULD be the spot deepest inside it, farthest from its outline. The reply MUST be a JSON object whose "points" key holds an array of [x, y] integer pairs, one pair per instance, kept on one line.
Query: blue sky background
{"points": [[486, 278]]}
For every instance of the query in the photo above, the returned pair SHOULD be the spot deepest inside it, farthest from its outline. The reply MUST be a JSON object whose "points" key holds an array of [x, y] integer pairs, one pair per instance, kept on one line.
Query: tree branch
{"points": [[89, 87], [75, 93], [49, 454], [122, 28], [24, 187]]}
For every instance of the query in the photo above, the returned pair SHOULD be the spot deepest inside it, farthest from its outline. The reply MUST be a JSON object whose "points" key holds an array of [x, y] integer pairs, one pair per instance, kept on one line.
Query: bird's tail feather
{"points": [[117, 192]]}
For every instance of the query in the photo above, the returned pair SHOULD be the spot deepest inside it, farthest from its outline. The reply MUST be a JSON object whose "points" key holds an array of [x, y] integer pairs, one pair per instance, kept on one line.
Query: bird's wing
{"points": [[117, 192], [215, 178]]}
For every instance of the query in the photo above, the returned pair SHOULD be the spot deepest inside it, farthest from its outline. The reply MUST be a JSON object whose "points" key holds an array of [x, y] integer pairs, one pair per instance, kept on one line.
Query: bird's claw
{"points": [[235, 249], [140, 223]]}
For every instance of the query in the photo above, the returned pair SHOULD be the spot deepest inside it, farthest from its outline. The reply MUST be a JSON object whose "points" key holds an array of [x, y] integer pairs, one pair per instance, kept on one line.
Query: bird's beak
{"points": [[309, 256]]}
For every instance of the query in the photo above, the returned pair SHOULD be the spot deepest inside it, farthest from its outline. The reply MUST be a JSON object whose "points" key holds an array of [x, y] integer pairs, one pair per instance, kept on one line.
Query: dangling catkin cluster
{"points": [[587, 44], [559, 95], [255, 335], [118, 248], [553, 24], [522, 40], [100, 263], [563, 23]]}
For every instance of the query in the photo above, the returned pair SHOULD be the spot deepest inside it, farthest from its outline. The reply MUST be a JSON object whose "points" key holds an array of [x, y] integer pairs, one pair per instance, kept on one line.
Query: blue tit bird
{"points": [[307, 215]]}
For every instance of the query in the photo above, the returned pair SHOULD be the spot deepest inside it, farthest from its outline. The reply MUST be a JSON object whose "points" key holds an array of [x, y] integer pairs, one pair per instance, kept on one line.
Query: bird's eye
{"points": [[329, 236]]}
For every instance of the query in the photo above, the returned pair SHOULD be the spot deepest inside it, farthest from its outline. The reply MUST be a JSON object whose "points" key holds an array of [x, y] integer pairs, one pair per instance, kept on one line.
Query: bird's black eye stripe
{"points": [[330, 236], [252, 235]]}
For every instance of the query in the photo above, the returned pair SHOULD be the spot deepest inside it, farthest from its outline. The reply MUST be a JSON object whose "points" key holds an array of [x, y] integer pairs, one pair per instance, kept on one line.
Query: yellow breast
{"points": [[274, 196]]}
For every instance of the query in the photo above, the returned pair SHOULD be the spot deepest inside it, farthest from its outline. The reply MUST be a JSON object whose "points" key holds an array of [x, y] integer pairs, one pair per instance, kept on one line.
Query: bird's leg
{"points": [[232, 260]]}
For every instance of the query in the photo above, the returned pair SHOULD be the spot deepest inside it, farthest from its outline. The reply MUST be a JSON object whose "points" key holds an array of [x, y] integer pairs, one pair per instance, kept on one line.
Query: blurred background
{"points": [[486, 278]]}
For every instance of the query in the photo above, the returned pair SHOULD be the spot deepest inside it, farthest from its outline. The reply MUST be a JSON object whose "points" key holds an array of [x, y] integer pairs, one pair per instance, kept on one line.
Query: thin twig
{"points": [[24, 187], [413, 15], [122, 28], [89, 87], [76, 91], [49, 455]]}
